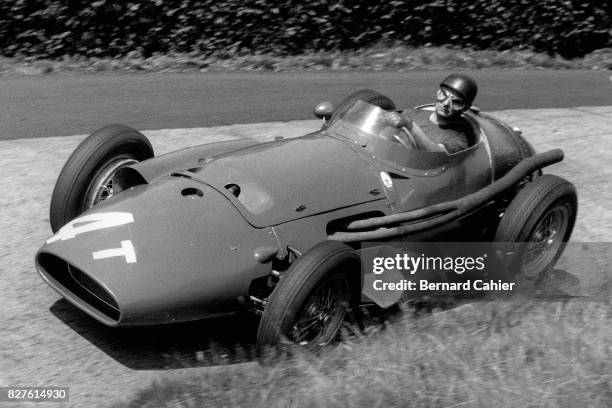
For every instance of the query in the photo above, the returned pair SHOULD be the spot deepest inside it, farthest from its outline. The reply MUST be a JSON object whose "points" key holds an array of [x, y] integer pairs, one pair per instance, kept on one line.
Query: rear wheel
{"points": [[87, 177], [310, 301], [540, 219]]}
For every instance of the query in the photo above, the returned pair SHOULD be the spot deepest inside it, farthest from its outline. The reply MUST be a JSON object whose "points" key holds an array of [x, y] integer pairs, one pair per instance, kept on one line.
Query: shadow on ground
{"points": [[205, 343], [219, 341], [231, 340]]}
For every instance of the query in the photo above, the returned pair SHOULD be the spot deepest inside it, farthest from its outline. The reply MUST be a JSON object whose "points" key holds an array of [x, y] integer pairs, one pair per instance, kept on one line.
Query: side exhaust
{"points": [[442, 212]]}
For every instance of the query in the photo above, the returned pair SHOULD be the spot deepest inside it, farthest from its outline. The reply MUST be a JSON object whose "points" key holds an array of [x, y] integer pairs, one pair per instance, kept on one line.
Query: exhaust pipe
{"points": [[447, 211]]}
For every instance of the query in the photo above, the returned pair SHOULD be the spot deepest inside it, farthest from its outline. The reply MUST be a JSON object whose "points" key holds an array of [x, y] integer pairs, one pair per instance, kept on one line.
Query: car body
{"points": [[201, 232]]}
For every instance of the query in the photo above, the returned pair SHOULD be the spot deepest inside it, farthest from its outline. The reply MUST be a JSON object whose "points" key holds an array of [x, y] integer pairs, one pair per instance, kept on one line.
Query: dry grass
{"points": [[545, 345], [398, 58], [480, 355]]}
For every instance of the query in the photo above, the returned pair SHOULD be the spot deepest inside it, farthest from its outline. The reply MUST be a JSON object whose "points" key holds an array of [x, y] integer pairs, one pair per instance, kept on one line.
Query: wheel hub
{"points": [[101, 188], [324, 310], [545, 240]]}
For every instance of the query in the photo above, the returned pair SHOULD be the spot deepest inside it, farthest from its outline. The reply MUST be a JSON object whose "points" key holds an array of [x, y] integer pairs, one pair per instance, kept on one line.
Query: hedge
{"points": [[53, 28]]}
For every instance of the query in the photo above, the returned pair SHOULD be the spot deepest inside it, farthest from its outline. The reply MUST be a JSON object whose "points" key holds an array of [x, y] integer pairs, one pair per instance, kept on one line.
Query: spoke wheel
{"points": [[309, 303], [101, 188], [87, 176], [540, 220], [321, 316], [545, 240]]}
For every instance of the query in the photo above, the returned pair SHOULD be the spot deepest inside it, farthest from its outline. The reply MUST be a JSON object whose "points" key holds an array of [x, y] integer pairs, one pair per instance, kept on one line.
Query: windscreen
{"points": [[368, 118], [369, 127]]}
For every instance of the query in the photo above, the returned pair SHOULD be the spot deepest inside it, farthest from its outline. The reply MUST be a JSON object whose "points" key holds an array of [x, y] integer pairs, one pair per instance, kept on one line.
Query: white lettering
{"points": [[126, 250], [92, 222]]}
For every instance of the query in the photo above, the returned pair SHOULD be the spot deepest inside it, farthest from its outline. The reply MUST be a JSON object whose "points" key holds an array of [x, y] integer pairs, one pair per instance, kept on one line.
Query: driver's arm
{"points": [[421, 140], [414, 132]]}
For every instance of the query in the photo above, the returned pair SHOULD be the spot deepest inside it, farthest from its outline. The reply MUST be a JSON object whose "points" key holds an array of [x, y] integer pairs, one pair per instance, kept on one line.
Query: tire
{"points": [[367, 95], [329, 266], [540, 219], [84, 180]]}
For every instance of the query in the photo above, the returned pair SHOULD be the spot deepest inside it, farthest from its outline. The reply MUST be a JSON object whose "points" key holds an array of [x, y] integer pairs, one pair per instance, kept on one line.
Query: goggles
{"points": [[443, 95]]}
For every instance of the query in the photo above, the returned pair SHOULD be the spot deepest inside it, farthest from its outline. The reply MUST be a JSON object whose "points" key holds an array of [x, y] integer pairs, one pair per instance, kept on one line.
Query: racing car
{"points": [[276, 228]]}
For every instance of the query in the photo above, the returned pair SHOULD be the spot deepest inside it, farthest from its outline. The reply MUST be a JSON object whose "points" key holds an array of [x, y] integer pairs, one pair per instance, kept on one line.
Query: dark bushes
{"points": [[52, 28]]}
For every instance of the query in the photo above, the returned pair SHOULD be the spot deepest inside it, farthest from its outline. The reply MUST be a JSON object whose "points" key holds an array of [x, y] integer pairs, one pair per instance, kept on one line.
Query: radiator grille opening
{"points": [[91, 286], [79, 284]]}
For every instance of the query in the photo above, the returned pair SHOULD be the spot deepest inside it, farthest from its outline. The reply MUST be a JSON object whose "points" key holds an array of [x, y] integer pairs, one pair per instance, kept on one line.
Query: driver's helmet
{"points": [[463, 85]]}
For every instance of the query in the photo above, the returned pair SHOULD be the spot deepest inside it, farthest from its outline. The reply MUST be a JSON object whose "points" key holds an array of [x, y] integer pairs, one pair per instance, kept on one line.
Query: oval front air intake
{"points": [[71, 281]]}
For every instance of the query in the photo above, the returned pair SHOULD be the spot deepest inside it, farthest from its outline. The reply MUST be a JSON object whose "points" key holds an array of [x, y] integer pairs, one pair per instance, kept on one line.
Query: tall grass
{"points": [[479, 355], [377, 58]]}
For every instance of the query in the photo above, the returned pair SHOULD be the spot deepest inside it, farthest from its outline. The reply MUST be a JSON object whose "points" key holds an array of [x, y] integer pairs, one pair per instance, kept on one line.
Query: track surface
{"points": [[46, 341], [66, 105]]}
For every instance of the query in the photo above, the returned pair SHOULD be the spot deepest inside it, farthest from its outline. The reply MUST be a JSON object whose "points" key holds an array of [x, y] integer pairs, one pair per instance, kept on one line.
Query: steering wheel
{"points": [[399, 122], [405, 134]]}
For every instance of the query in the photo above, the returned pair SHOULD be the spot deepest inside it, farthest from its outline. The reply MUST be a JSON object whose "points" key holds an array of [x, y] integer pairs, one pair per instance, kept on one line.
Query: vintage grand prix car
{"points": [[276, 228]]}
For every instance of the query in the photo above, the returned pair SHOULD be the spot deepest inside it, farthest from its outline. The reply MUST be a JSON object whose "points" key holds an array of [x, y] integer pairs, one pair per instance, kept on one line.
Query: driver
{"points": [[446, 129]]}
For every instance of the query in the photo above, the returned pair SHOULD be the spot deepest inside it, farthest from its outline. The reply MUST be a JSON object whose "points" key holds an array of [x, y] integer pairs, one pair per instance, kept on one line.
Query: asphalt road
{"points": [[56, 105]]}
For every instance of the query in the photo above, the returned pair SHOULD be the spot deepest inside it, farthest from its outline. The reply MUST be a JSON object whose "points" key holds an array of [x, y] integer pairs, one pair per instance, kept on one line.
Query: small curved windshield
{"points": [[371, 128], [364, 123], [368, 118]]}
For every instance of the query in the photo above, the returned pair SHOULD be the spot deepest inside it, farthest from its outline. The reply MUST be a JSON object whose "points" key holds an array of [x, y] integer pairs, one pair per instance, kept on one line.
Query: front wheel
{"points": [[308, 305], [87, 177]]}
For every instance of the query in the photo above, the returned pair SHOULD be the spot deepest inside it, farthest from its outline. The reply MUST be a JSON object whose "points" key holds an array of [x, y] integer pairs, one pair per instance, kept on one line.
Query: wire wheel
{"points": [[310, 300], [87, 176], [540, 220], [101, 187], [545, 240], [320, 317]]}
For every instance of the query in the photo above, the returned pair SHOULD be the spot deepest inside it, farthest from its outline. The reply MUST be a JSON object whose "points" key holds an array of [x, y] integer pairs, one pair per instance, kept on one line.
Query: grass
{"points": [[397, 58], [480, 355]]}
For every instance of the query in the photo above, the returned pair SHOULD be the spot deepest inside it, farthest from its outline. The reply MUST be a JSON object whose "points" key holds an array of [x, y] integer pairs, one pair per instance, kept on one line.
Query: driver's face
{"points": [[448, 103]]}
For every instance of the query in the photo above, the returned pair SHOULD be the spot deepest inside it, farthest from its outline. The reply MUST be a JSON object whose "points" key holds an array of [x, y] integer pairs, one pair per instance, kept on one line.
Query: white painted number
{"points": [[126, 250], [91, 222]]}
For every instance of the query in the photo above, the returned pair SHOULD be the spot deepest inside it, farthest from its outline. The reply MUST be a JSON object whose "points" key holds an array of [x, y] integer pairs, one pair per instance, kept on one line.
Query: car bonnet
{"points": [[276, 182]]}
